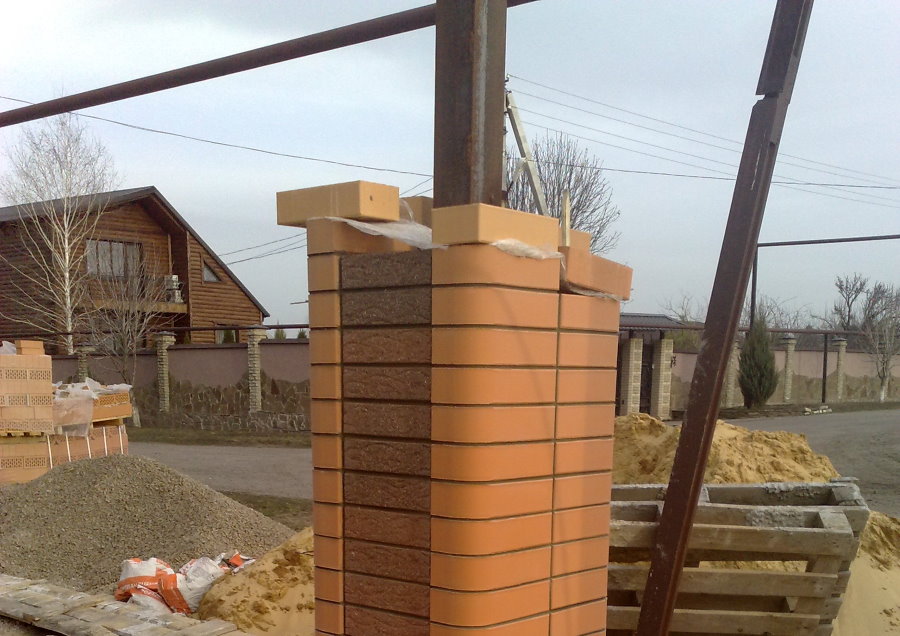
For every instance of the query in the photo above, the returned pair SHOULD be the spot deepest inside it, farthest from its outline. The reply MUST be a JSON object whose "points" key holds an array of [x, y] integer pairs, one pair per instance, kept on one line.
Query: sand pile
{"points": [[645, 449], [75, 525], [273, 595]]}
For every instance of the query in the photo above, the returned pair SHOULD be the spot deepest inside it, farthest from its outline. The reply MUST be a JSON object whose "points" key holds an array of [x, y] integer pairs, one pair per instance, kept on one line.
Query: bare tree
{"points": [[562, 165], [57, 174], [881, 331], [850, 288]]}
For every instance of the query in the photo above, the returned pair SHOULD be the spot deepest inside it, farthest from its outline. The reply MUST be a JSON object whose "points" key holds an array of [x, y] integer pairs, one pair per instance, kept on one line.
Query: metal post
{"points": [[753, 286], [748, 203], [470, 101], [825, 368]]}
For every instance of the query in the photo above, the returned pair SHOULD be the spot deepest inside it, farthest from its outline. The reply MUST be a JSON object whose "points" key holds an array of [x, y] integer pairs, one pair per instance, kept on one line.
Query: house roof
{"points": [[648, 322], [122, 197]]}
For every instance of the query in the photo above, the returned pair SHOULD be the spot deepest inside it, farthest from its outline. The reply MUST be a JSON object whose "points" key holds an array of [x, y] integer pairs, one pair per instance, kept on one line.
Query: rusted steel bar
{"points": [[357, 33], [469, 101], [779, 70], [849, 239], [825, 340]]}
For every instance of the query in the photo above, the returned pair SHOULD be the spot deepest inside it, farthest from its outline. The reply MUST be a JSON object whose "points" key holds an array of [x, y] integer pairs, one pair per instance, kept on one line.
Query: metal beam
{"points": [[748, 203], [469, 102], [357, 33]]}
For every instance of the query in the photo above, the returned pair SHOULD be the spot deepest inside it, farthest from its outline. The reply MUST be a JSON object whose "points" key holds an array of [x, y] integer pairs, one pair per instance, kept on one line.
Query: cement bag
{"points": [[139, 573], [184, 591], [148, 599]]}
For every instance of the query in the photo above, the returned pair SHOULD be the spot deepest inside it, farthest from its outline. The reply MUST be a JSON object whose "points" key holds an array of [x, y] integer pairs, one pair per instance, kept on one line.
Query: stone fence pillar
{"points": [[630, 378], [661, 384], [82, 370], [790, 343], [254, 367], [164, 340], [841, 344]]}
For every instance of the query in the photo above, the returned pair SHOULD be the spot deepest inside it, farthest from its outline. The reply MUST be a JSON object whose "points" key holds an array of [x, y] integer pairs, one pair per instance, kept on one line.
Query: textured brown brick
{"points": [[394, 345], [387, 420], [396, 596], [365, 621], [401, 493], [387, 456], [387, 383], [372, 308], [388, 526], [404, 269], [393, 562]]}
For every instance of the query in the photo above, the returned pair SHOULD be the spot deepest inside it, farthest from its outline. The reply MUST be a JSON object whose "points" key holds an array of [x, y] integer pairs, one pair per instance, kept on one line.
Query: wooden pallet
{"points": [[65, 611], [813, 529]]}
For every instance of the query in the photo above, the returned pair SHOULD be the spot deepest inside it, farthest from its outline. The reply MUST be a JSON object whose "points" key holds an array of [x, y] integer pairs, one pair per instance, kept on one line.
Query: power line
{"points": [[421, 183], [694, 130], [244, 249], [282, 250]]}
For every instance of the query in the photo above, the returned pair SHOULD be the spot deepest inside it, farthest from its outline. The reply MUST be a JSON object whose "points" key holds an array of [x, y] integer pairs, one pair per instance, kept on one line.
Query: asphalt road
{"points": [[864, 444]]}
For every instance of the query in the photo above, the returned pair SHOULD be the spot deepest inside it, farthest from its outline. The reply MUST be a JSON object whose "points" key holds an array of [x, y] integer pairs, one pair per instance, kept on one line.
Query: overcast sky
{"points": [[692, 63]]}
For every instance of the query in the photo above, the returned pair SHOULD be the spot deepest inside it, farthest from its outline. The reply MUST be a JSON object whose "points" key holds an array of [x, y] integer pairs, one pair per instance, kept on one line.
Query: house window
{"points": [[209, 276], [113, 259]]}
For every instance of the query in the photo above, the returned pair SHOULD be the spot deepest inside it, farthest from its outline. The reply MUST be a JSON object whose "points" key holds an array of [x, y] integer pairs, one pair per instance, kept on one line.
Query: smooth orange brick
{"points": [[494, 306], [578, 240], [587, 385], [329, 617], [578, 588], [588, 349], [482, 223], [329, 585], [478, 609], [456, 536], [324, 310], [588, 313], [576, 556], [328, 520], [491, 346], [474, 573], [581, 523], [596, 273], [488, 265], [585, 420], [325, 416], [327, 236], [584, 455], [325, 381], [589, 618], [459, 462], [328, 486], [489, 424], [326, 451], [328, 552], [324, 272], [325, 346], [534, 626], [582, 490], [473, 385], [491, 500]]}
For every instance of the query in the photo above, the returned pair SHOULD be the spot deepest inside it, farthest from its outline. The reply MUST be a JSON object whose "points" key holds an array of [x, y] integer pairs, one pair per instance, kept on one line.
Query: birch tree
{"points": [[57, 174]]}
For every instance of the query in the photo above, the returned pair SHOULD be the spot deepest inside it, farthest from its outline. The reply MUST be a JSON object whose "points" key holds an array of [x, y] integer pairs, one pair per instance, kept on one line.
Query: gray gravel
{"points": [[76, 524]]}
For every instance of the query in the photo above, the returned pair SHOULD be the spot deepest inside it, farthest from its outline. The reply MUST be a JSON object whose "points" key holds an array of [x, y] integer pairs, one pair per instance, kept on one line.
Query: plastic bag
{"points": [[184, 591], [7, 348], [140, 573], [148, 599]]}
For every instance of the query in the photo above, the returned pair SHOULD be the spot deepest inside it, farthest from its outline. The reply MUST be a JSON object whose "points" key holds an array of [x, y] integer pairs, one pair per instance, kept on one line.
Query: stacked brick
{"points": [[26, 390], [463, 404]]}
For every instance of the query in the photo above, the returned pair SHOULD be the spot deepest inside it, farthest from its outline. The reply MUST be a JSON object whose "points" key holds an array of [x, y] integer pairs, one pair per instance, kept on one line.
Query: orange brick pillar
{"points": [[463, 404]]}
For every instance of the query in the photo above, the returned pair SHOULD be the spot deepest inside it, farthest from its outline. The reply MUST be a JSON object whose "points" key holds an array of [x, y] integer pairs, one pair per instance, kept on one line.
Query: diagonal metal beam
{"points": [[776, 82]]}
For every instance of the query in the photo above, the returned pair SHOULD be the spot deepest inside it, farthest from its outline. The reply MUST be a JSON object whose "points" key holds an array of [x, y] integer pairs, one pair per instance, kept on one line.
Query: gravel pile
{"points": [[76, 524]]}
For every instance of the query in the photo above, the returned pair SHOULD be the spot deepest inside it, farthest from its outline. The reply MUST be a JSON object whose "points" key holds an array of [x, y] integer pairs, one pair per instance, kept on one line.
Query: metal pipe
{"points": [[753, 286], [779, 70], [825, 368], [357, 33], [850, 239]]}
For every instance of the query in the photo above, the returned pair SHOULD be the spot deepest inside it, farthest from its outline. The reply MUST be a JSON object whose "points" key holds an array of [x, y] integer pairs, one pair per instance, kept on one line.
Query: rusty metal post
{"points": [[776, 82], [469, 101], [825, 368]]}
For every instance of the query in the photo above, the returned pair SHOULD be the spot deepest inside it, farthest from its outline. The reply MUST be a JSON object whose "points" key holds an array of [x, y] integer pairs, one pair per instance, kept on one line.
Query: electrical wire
{"points": [[282, 250], [244, 249], [421, 183]]}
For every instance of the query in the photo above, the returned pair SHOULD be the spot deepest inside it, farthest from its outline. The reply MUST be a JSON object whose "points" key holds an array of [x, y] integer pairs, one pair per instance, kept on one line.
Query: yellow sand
{"points": [[273, 595]]}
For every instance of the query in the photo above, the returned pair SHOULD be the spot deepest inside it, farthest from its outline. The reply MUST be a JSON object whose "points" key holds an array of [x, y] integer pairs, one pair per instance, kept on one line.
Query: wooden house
{"points": [[141, 225]]}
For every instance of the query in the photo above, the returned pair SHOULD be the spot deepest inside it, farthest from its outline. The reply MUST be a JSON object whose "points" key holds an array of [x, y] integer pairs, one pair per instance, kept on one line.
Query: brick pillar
{"points": [[82, 370], [630, 376], [841, 344], [731, 395], [661, 386], [790, 344], [462, 418], [164, 340], [254, 368]]}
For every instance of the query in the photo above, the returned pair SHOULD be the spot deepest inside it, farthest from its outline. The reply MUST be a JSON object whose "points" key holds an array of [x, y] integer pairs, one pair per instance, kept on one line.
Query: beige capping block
{"points": [[353, 200], [482, 223], [578, 240], [594, 273], [420, 208]]}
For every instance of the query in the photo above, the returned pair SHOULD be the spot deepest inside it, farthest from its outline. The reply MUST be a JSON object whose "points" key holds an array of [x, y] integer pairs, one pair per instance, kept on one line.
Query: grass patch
{"points": [[218, 438], [294, 513]]}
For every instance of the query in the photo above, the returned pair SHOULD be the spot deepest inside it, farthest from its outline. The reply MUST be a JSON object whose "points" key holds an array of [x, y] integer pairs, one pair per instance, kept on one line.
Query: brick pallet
{"points": [[815, 527], [26, 390], [72, 613]]}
